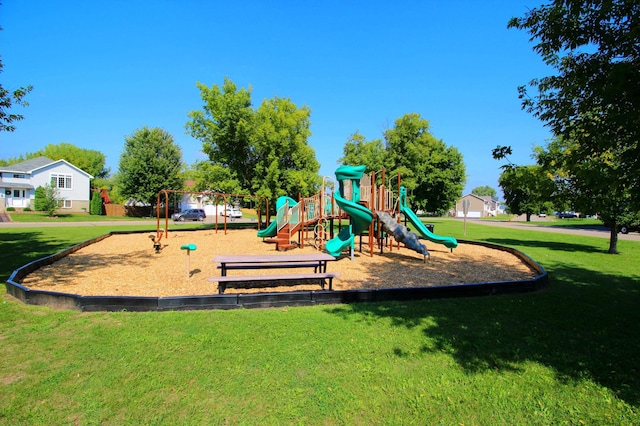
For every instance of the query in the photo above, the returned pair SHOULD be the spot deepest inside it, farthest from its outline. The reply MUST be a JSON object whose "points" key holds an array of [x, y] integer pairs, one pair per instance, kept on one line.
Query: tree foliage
{"points": [[357, 150], [47, 199], [595, 96], [266, 150], [526, 189], [433, 172], [89, 160], [591, 184], [95, 207], [9, 99], [149, 163], [485, 190]]}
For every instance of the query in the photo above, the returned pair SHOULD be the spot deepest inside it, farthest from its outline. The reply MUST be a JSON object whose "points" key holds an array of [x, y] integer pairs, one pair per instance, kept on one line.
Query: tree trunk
{"points": [[528, 216], [613, 239]]}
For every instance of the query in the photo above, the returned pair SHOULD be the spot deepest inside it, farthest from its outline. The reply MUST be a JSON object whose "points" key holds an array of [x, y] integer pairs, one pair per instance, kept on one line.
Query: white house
{"points": [[18, 183]]}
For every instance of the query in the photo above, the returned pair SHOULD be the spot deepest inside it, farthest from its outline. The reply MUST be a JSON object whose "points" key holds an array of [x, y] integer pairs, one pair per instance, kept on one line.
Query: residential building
{"points": [[18, 183]]}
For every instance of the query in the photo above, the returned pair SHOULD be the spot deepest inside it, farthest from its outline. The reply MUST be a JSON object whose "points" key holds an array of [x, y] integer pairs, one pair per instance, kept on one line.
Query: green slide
{"points": [[272, 229], [448, 242], [360, 216]]}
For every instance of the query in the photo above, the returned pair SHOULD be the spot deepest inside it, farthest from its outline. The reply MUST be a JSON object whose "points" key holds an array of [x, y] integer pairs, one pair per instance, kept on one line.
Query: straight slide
{"points": [[448, 242]]}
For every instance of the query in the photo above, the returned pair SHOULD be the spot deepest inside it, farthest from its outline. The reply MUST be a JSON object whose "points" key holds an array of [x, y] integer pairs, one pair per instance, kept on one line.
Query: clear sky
{"points": [[101, 69]]}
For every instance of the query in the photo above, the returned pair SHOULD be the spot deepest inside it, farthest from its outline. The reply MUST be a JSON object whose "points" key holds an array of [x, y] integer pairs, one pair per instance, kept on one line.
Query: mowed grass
{"points": [[566, 355]]}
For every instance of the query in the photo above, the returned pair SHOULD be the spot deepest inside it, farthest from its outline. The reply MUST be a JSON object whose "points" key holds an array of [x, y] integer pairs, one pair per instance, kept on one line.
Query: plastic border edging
{"points": [[260, 300]]}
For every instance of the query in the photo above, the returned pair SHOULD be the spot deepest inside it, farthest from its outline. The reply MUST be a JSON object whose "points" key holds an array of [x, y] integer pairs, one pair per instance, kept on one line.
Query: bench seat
{"points": [[274, 280], [260, 265]]}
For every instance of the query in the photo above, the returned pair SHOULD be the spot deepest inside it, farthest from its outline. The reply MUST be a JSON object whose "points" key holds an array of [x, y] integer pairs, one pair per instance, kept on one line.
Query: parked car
{"points": [[190, 214], [231, 212], [567, 215], [625, 229]]}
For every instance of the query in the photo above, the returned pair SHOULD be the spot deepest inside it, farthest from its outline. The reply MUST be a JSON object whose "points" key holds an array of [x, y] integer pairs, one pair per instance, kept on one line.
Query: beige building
{"points": [[479, 206]]}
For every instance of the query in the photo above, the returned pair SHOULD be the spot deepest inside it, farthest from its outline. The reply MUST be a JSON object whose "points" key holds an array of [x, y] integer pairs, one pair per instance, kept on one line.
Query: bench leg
{"points": [[221, 288]]}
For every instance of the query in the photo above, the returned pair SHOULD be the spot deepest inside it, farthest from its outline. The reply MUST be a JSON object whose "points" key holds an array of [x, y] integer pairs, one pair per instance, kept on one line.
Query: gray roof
{"points": [[29, 165], [16, 185]]}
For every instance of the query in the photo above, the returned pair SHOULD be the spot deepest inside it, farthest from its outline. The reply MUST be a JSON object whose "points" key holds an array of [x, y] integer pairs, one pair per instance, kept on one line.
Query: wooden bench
{"points": [[274, 280], [317, 261]]}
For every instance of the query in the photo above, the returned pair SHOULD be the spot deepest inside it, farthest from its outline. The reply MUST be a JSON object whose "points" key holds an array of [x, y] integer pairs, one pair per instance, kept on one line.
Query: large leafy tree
{"points": [[213, 177], [591, 104], [149, 163], [526, 189], [285, 164], [357, 150], [224, 126], [485, 190], [433, 172], [89, 160], [590, 183], [266, 150]]}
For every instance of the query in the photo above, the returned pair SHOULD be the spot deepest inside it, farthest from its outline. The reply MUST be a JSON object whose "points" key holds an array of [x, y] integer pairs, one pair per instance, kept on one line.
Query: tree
{"points": [[357, 150], [89, 160], [150, 162], [47, 199], [9, 99], [213, 177], [484, 191], [224, 126], [590, 184], [285, 163], [591, 102], [433, 173], [526, 189], [266, 150]]}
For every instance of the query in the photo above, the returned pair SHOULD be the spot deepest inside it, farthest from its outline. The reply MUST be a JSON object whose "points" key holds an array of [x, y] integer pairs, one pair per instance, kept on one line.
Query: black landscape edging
{"points": [[259, 300]]}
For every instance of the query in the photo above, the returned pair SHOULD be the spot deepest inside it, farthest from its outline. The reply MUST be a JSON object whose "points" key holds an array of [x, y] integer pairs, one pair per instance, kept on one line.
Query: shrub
{"points": [[96, 204], [39, 203], [26, 209], [11, 209]]}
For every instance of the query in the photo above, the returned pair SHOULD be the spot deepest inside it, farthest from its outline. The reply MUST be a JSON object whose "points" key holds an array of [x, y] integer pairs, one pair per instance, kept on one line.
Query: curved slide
{"points": [[272, 229], [448, 242], [361, 217]]}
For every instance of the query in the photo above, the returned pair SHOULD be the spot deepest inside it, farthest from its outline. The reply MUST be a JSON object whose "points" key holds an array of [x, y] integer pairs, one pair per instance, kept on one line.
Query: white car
{"points": [[231, 212]]}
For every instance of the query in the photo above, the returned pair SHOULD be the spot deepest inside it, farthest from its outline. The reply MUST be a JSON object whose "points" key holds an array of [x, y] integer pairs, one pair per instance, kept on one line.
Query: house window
{"points": [[19, 176], [16, 193], [65, 204], [61, 181]]}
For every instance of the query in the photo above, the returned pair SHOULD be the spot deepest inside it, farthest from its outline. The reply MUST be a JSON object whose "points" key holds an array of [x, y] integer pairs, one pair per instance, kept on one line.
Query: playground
{"points": [[126, 265], [370, 250]]}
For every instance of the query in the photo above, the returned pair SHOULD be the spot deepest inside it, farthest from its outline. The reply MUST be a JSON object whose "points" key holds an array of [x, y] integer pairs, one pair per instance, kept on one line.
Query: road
{"points": [[587, 231]]}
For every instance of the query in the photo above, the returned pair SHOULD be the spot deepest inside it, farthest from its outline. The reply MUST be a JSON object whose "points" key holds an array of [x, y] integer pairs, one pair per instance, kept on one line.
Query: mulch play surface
{"points": [[127, 265]]}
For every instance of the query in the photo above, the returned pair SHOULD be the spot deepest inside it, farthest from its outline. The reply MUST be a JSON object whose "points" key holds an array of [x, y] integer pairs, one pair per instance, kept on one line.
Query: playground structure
{"points": [[372, 210]]}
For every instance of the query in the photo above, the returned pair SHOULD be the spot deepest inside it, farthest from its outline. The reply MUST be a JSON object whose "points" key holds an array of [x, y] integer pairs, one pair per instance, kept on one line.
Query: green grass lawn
{"points": [[566, 355]]}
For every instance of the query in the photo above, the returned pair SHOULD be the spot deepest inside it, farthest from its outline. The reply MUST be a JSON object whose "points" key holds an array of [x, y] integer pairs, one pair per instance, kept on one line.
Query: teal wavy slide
{"points": [[272, 229], [448, 242], [361, 217]]}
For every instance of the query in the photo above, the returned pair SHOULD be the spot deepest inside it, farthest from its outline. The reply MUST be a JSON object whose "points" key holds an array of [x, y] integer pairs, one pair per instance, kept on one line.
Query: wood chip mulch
{"points": [[127, 265]]}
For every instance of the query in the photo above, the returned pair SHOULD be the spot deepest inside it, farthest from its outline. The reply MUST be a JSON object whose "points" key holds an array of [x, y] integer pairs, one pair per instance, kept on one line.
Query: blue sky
{"points": [[102, 69]]}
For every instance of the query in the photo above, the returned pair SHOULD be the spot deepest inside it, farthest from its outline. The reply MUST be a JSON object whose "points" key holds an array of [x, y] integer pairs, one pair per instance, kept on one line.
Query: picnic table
{"points": [[315, 261]]}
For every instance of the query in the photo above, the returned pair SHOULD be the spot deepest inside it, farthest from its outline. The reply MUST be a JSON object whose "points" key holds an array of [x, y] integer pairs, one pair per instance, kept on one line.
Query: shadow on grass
{"points": [[550, 245], [585, 326], [20, 248]]}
